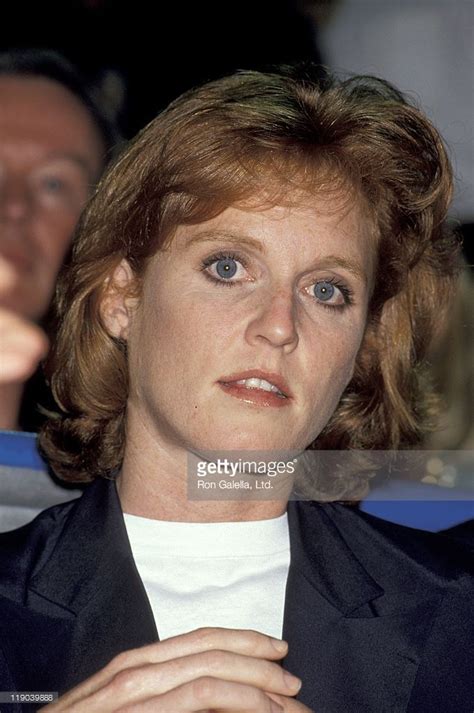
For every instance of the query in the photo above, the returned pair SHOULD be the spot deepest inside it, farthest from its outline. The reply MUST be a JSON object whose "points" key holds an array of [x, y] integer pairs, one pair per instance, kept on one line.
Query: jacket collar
{"points": [[91, 579], [93, 550], [347, 641], [355, 643], [320, 550]]}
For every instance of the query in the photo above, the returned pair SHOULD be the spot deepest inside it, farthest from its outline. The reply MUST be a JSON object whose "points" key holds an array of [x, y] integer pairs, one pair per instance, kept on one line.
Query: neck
{"points": [[10, 400], [153, 483]]}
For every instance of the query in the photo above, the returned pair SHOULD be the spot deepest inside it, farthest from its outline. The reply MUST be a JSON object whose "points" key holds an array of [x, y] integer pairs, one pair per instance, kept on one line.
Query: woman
{"points": [[259, 272]]}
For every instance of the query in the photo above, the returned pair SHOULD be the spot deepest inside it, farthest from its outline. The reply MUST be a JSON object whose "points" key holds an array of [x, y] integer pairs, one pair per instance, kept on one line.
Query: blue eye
{"points": [[52, 184], [332, 294], [222, 267], [324, 291], [226, 267]]}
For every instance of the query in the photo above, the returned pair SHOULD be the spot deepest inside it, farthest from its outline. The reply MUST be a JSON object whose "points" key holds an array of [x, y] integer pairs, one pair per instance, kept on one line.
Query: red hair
{"points": [[228, 141]]}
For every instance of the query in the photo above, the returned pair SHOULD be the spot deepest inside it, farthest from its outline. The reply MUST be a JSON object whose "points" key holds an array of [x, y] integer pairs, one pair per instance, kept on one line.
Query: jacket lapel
{"points": [[92, 580], [354, 644]]}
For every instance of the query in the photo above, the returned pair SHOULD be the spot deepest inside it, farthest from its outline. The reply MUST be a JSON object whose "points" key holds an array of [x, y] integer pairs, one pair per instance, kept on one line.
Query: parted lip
{"points": [[275, 379]]}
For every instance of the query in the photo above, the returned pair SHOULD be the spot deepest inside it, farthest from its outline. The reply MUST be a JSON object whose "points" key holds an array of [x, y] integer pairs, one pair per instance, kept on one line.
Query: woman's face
{"points": [[279, 294]]}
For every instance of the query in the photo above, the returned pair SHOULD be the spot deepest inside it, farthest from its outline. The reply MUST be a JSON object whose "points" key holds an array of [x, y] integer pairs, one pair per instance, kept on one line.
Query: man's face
{"points": [[51, 155], [279, 294]]}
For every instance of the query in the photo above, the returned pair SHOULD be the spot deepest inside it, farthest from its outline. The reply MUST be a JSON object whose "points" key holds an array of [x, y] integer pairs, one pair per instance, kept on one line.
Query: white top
{"points": [[224, 574]]}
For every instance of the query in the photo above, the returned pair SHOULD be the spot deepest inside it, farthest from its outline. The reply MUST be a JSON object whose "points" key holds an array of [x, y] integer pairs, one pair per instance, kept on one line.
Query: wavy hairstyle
{"points": [[229, 140]]}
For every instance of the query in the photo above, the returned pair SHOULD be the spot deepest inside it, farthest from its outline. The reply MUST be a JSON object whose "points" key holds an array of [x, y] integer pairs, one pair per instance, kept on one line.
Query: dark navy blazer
{"points": [[379, 617]]}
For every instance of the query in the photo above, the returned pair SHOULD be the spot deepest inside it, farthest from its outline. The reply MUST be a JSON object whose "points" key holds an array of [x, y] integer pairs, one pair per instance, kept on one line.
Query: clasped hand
{"points": [[204, 671]]}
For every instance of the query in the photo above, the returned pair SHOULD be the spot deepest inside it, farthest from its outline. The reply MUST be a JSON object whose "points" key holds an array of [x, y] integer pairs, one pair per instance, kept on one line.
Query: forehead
{"points": [[40, 114], [339, 212]]}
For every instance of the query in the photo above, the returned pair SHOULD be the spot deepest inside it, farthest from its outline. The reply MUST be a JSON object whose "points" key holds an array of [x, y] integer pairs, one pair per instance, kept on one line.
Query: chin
{"points": [[245, 441]]}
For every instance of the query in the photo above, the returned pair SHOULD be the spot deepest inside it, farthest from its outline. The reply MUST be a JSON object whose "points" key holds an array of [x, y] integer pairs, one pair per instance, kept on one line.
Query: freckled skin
{"points": [[189, 332]]}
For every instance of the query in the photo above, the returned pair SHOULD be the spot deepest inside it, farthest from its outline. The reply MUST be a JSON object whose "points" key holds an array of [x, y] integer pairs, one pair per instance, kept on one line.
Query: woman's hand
{"points": [[208, 669]]}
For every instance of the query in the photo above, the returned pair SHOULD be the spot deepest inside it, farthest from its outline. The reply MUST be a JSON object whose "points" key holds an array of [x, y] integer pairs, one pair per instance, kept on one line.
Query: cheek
{"points": [[329, 378], [331, 361], [197, 326], [176, 337], [53, 237]]}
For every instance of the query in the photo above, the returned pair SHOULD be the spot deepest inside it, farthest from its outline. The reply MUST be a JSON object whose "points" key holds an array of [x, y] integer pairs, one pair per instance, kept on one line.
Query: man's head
{"points": [[54, 143], [261, 140]]}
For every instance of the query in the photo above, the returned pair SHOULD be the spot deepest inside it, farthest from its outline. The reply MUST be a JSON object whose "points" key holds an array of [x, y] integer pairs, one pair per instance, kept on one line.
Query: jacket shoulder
{"points": [[384, 545], [23, 551], [444, 553]]}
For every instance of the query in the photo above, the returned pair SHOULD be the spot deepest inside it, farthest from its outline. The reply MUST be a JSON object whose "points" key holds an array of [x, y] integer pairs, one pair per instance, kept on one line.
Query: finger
{"points": [[22, 346], [196, 696], [240, 641], [153, 679], [19, 361], [289, 705], [204, 694]]}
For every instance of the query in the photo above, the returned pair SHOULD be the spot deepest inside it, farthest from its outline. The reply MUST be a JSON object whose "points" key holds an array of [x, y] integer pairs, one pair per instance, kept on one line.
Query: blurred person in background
{"points": [[55, 140]]}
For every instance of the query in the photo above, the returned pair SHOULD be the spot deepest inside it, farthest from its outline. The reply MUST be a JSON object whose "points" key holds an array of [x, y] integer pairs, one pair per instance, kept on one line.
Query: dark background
{"points": [[163, 48]]}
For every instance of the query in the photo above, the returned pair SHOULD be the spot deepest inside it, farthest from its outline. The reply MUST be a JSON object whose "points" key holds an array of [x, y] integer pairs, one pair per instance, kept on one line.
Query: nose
{"points": [[15, 201], [275, 322]]}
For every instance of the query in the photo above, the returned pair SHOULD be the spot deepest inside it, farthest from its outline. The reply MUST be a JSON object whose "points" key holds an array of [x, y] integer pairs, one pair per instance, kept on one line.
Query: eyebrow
{"points": [[219, 235], [350, 265], [75, 159], [327, 262]]}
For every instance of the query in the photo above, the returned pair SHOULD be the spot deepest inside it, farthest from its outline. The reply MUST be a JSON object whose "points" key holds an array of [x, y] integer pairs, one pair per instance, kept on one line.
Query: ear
{"points": [[117, 304]]}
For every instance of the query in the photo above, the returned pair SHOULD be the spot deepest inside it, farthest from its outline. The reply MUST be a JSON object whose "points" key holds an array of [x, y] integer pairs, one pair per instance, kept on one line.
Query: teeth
{"points": [[259, 384]]}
